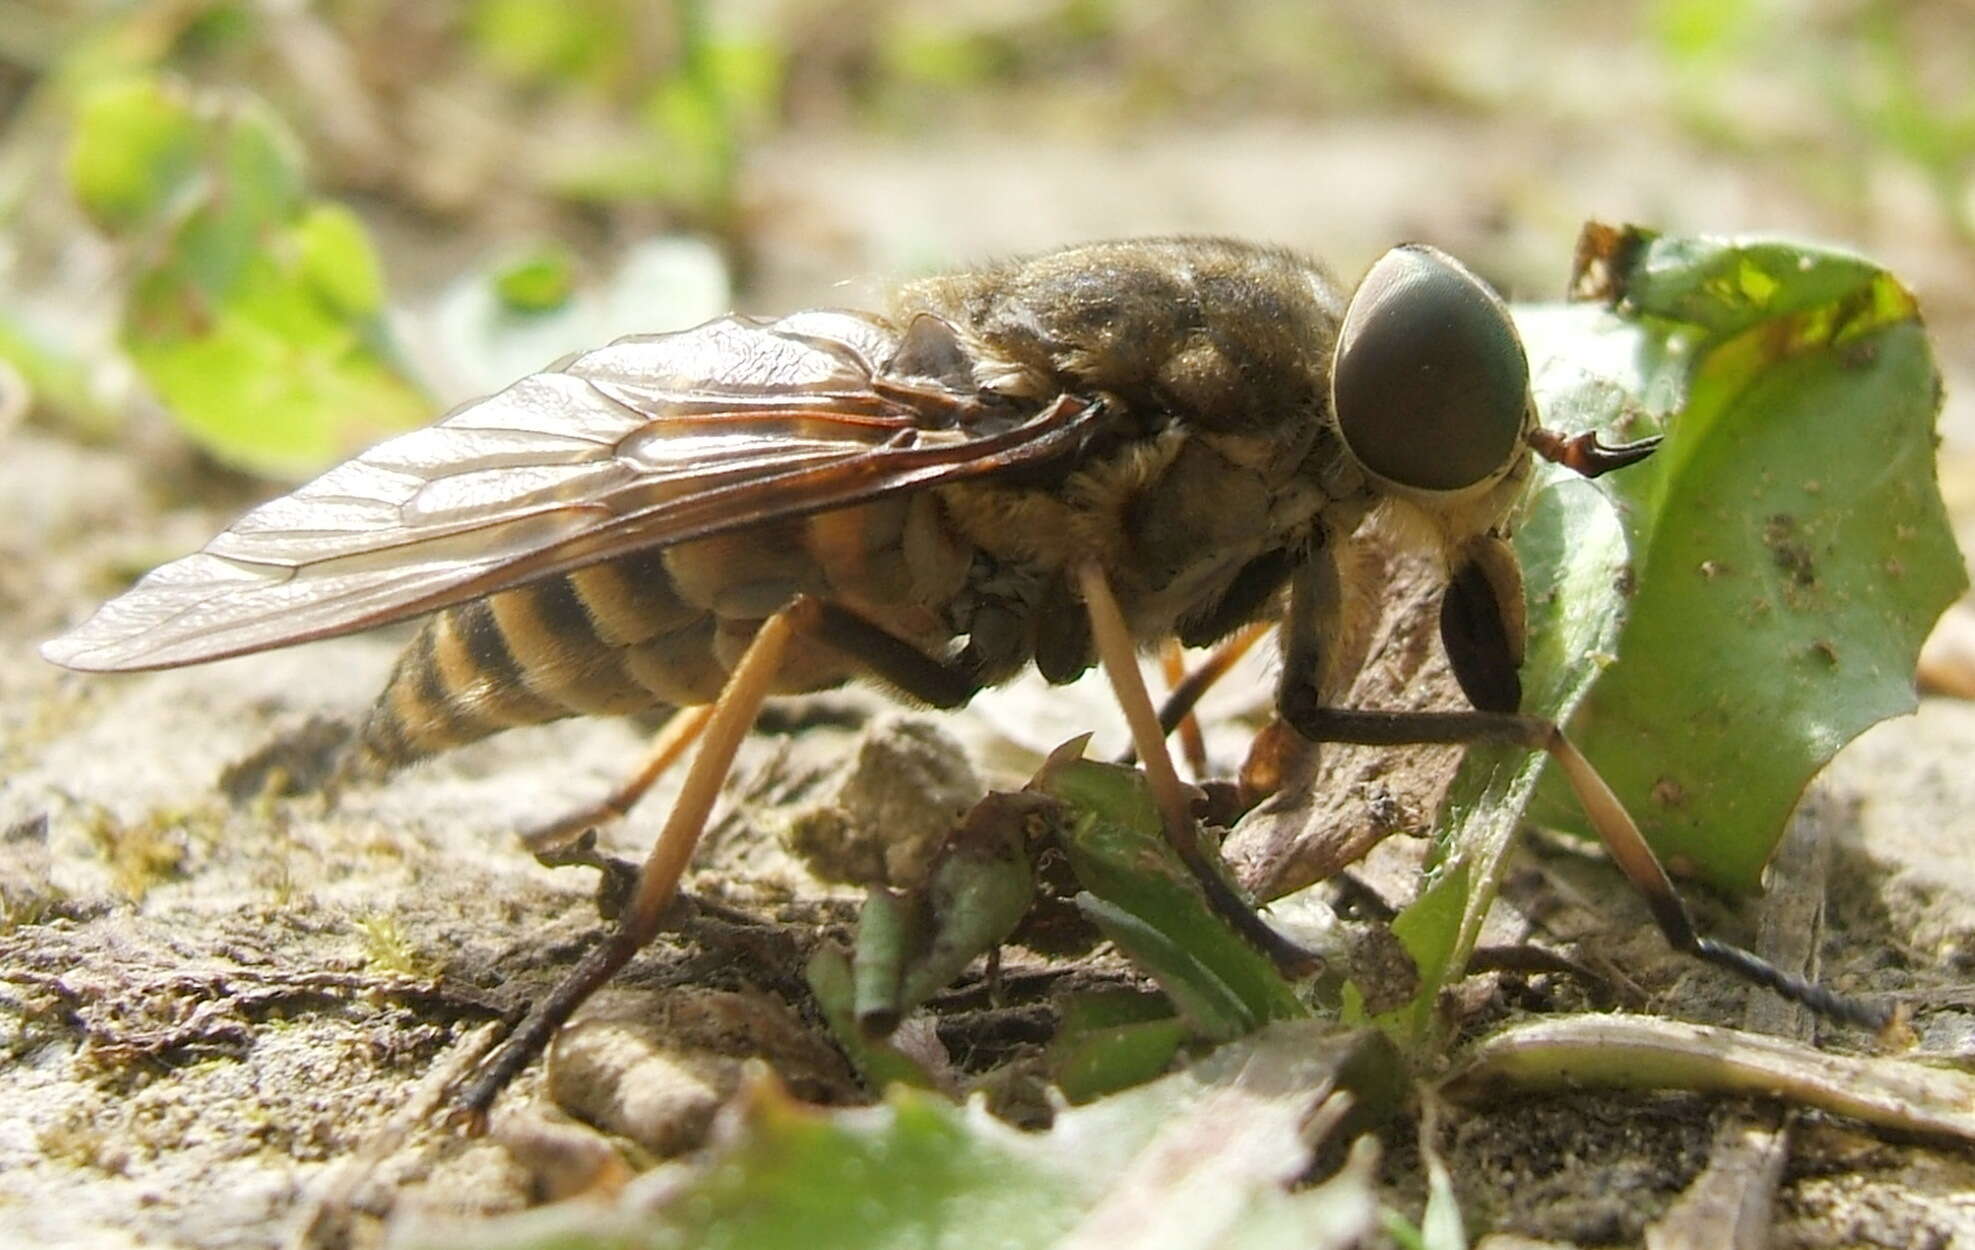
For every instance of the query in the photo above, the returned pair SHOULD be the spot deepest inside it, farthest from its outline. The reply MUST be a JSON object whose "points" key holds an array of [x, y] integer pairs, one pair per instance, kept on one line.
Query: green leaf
{"points": [[1714, 623], [334, 256], [1147, 901], [1210, 1005], [978, 892], [1791, 550], [270, 385], [137, 146], [540, 280], [882, 1065], [261, 177], [1111, 1040], [257, 319], [1204, 1158], [543, 41], [912, 944], [1722, 287]]}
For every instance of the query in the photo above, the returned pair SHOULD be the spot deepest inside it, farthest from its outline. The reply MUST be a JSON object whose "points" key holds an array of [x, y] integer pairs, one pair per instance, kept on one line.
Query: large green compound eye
{"points": [[1430, 384]]}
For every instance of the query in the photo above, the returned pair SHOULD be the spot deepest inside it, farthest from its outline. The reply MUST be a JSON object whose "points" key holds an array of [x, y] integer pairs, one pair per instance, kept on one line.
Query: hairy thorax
{"points": [[1218, 456]]}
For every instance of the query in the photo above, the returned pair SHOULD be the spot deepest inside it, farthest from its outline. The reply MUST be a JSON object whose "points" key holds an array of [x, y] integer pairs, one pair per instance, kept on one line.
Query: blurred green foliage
{"points": [[609, 120], [1876, 84], [254, 314], [540, 280], [548, 42], [136, 145]]}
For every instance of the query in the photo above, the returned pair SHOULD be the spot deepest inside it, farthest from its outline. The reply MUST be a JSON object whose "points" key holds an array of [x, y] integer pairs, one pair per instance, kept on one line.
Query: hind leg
{"points": [[726, 722]]}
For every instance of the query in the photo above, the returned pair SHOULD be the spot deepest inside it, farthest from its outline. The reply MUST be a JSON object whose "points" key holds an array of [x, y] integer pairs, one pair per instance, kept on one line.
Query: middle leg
{"points": [[1119, 657]]}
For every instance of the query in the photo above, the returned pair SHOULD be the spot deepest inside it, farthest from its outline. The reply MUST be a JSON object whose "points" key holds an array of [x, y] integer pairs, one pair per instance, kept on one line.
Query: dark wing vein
{"points": [[651, 441]]}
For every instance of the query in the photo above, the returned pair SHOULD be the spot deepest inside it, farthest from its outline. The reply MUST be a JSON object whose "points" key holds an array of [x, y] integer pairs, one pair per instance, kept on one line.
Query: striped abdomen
{"points": [[660, 627], [612, 638]]}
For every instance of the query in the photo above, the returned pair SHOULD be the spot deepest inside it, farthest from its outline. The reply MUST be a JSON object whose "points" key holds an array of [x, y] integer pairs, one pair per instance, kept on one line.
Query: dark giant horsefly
{"points": [[1054, 461]]}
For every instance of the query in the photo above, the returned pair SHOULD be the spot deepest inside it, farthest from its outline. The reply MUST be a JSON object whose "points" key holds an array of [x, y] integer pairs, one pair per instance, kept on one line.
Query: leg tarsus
{"points": [[1824, 1002], [532, 1036], [720, 727], [1288, 955], [1483, 633], [1635, 858], [1299, 706], [1614, 825], [883, 654]]}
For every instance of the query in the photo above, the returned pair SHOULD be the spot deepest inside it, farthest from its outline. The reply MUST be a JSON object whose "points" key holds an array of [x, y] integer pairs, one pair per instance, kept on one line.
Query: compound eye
{"points": [[1430, 384]]}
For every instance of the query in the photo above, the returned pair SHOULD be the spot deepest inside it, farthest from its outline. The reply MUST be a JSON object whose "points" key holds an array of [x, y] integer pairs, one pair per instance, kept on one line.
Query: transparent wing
{"points": [[651, 441]]}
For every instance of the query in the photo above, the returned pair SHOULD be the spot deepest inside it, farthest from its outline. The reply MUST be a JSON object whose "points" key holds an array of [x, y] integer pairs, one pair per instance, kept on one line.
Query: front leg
{"points": [[1489, 651], [1481, 624]]}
